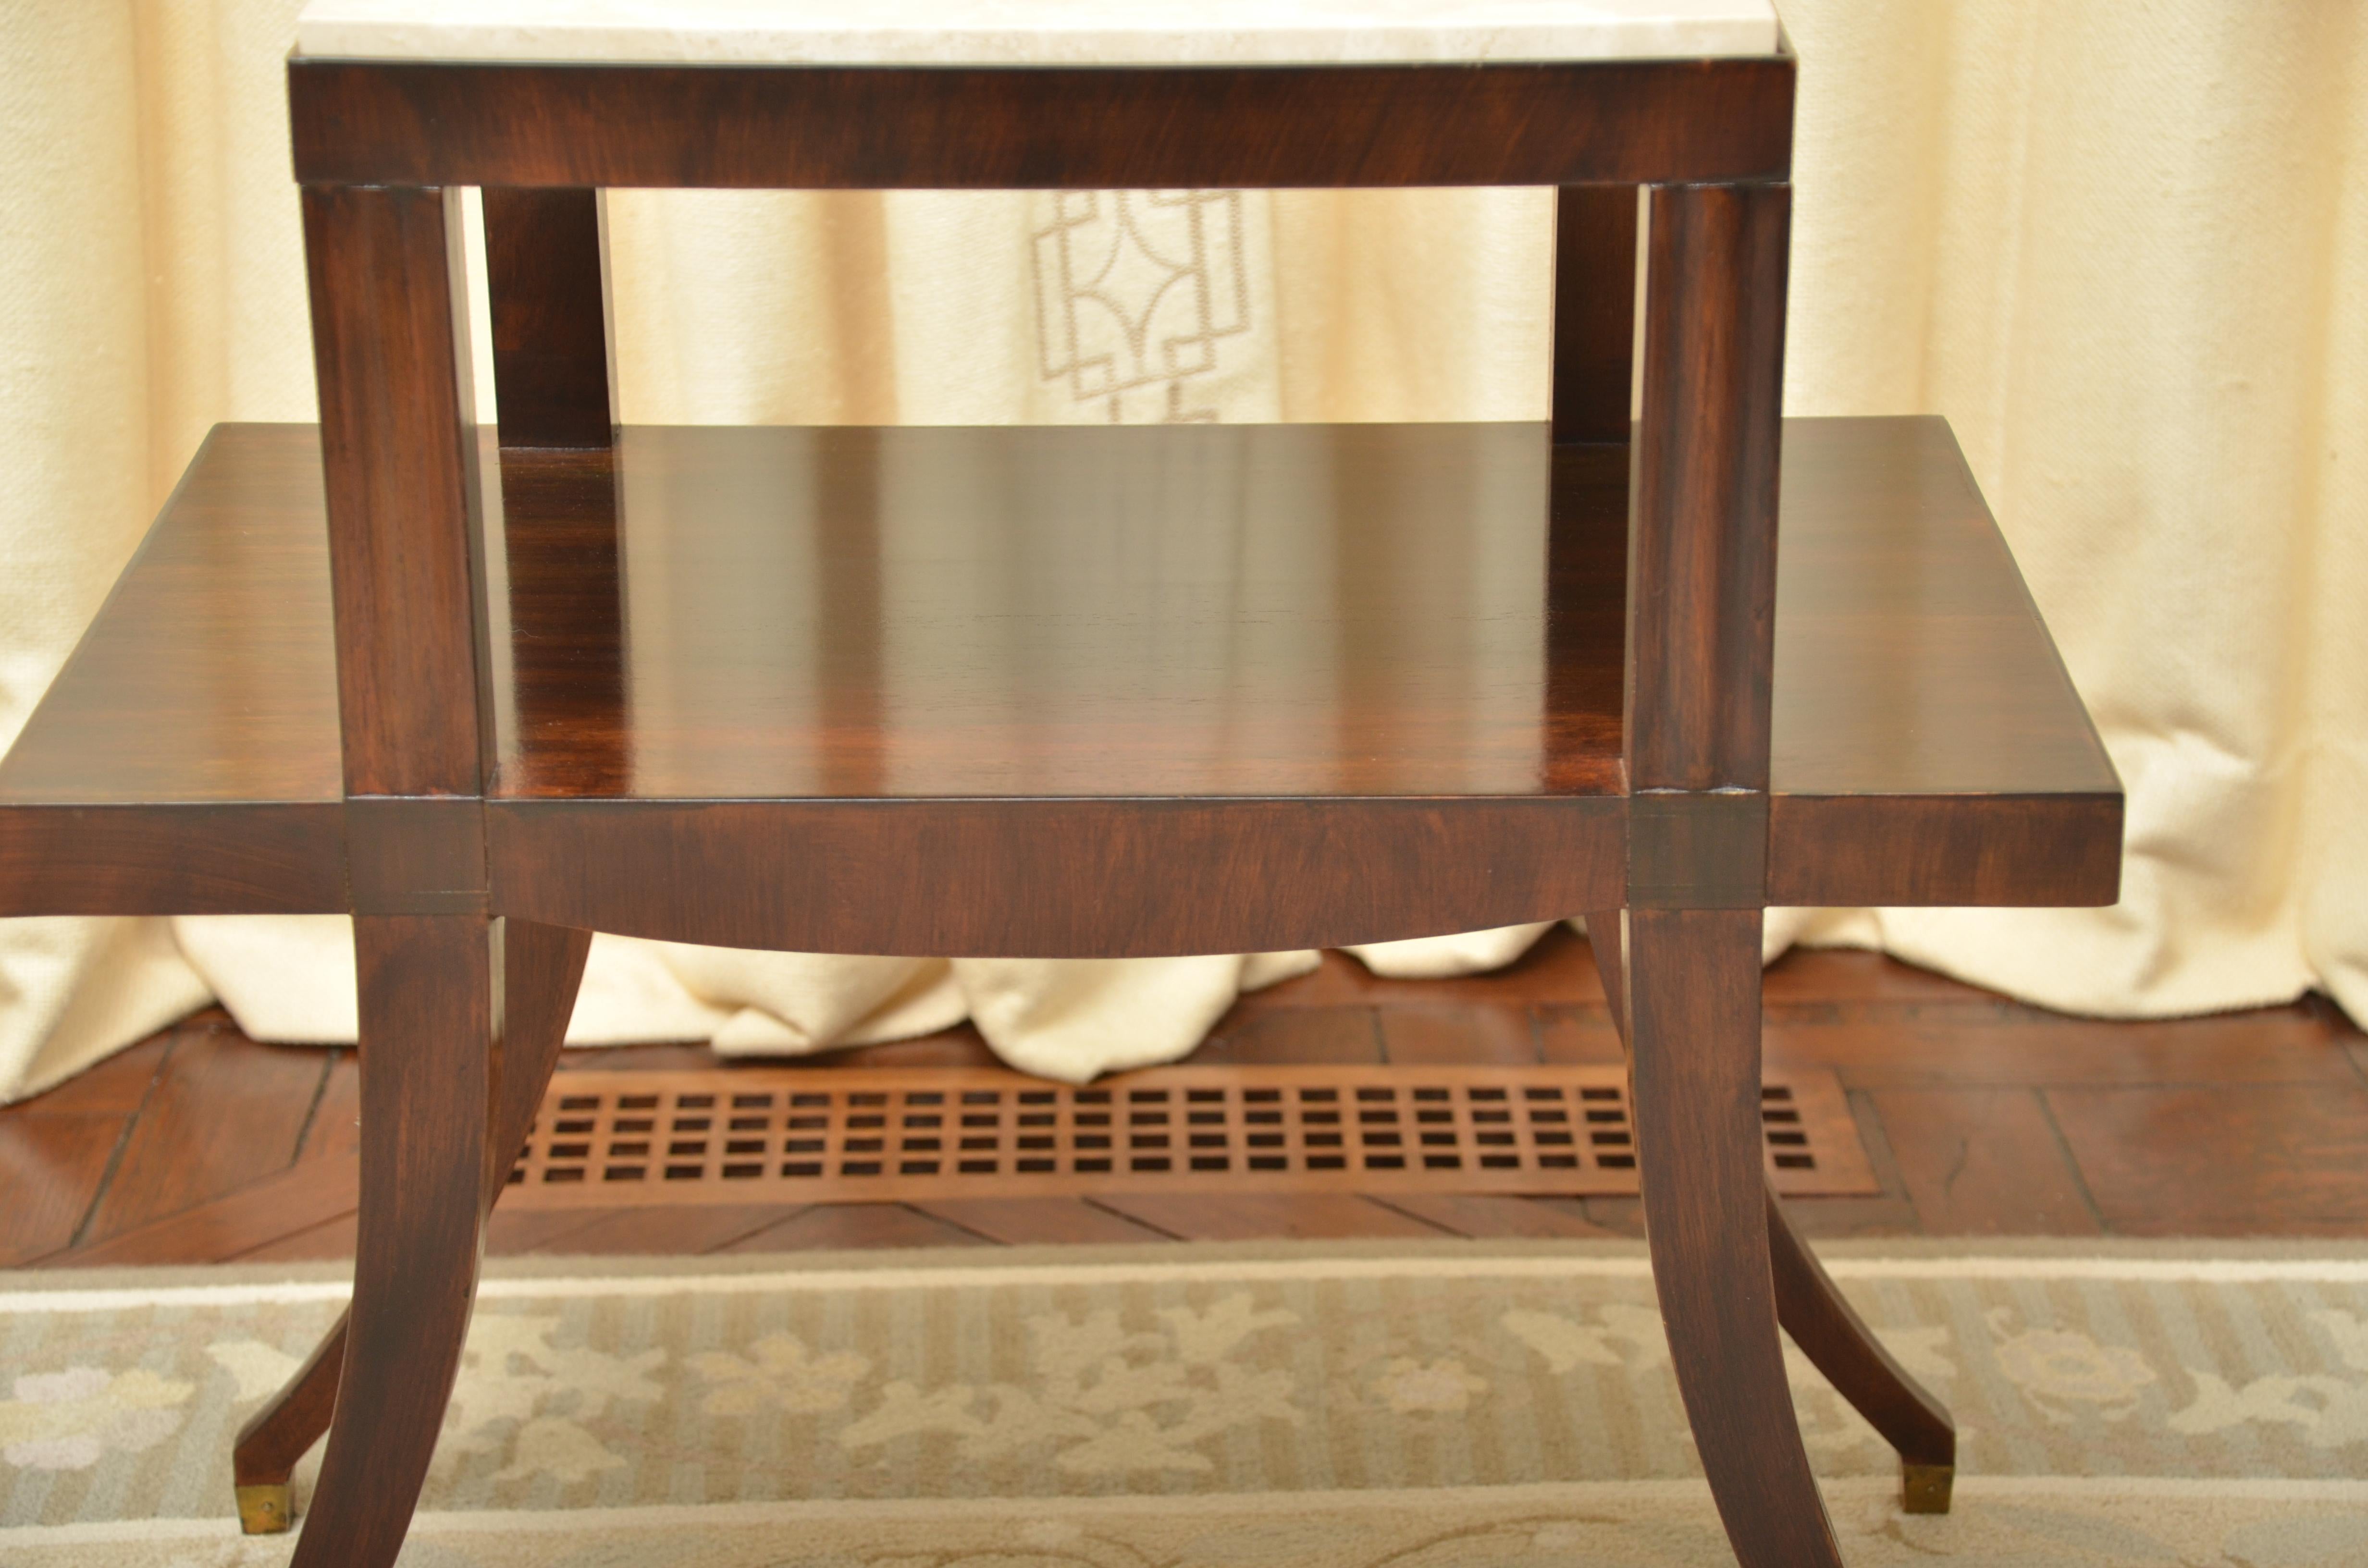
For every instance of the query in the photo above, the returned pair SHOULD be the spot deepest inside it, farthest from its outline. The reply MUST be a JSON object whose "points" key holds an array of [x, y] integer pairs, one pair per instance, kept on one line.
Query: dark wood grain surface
{"points": [[399, 466], [1909, 660], [214, 1129], [541, 967], [427, 990], [546, 292], [1913, 680], [1594, 311], [221, 1225], [186, 756], [49, 1164], [1115, 693], [1058, 877], [1810, 1306], [1012, 127], [2246, 1148], [1892, 767], [1984, 1160], [1688, 995], [1180, 610], [1890, 586], [204, 857], [1704, 488], [1820, 1320], [211, 653]]}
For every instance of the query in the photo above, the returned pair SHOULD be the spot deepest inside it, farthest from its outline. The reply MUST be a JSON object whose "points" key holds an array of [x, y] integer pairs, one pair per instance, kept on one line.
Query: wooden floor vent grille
{"points": [[741, 1135]]}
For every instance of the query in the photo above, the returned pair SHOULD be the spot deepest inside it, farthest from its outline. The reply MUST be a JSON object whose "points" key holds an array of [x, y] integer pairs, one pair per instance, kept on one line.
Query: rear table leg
{"points": [[1837, 1339], [277, 1435]]}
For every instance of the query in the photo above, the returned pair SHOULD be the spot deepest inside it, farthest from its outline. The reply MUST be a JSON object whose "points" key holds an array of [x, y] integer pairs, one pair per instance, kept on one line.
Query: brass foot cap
{"points": [[1924, 1488], [264, 1509]]}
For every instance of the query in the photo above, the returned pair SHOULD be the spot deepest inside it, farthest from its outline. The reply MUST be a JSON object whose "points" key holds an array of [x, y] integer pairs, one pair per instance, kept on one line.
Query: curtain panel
{"points": [[2124, 249]]}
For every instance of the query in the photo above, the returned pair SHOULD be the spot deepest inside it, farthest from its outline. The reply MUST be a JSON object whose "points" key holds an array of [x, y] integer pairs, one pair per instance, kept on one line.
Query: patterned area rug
{"points": [[1499, 1405]]}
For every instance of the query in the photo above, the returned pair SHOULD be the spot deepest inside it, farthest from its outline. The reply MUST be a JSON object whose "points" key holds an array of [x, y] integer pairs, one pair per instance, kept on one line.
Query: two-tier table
{"points": [[491, 691]]}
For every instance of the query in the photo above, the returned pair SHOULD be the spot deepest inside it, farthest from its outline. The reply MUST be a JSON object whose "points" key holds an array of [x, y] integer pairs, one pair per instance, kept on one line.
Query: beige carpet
{"points": [[1487, 1404]]}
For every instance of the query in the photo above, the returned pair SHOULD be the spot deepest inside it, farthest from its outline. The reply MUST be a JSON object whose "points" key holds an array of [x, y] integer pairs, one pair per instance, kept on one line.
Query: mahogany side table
{"points": [[388, 666]]}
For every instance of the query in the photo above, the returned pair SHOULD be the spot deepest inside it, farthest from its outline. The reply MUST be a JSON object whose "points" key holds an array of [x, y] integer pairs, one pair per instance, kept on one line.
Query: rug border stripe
{"points": [[2209, 1271], [1571, 1493]]}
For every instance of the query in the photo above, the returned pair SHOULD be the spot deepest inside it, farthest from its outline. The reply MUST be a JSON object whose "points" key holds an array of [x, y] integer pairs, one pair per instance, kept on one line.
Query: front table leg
{"points": [[1813, 1309], [1694, 1008], [427, 1026], [543, 968]]}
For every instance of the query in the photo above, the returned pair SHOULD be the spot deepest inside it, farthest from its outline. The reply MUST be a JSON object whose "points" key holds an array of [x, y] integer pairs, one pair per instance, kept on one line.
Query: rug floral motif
{"points": [[1498, 1405]]}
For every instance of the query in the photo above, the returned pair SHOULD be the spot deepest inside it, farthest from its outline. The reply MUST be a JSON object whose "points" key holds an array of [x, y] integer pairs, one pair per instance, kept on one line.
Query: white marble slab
{"points": [[1034, 32]]}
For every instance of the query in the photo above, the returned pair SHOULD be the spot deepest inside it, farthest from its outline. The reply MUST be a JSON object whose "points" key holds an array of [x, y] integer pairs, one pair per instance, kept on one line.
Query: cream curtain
{"points": [[2123, 248]]}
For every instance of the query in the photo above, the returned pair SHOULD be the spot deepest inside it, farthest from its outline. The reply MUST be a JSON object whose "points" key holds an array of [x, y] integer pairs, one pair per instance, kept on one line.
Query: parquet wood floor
{"points": [[1981, 1115]]}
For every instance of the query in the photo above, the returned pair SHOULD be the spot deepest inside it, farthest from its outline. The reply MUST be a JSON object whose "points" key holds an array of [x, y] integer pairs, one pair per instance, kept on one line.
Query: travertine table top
{"points": [[1034, 32]]}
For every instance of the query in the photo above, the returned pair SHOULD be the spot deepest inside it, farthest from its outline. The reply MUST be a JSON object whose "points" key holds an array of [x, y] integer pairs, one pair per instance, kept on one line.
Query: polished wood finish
{"points": [[1830, 1333], [1498, 1035], [1927, 744], [192, 858], [429, 1019], [186, 756], [1025, 712], [209, 1224], [541, 967], [212, 1129], [1884, 1043], [1844, 851], [389, 350], [1703, 505], [1053, 878], [1691, 987], [1697, 849], [2293, 1145], [207, 677], [1985, 1160], [812, 128], [278, 1434], [120, 1085], [1329, 1034], [1702, 548], [1820, 1320], [1606, 942], [1191, 610], [416, 855], [50, 1166], [1594, 311], [546, 284], [1871, 805]]}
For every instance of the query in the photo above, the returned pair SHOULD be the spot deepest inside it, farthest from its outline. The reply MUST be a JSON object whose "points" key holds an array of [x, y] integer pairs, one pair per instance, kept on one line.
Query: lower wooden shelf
{"points": [[1183, 667]]}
